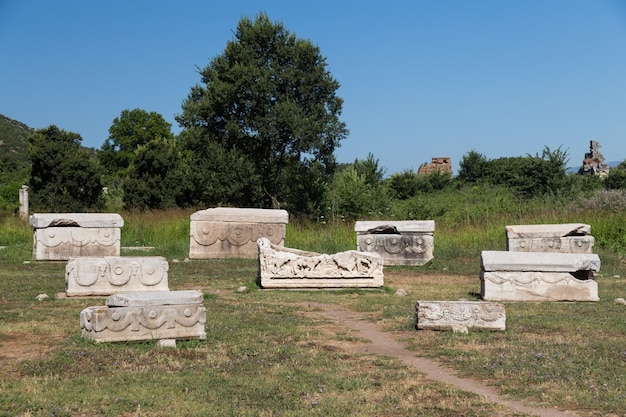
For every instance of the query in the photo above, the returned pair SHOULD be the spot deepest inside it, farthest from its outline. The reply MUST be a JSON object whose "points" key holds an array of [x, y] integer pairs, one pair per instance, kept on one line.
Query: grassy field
{"points": [[270, 353]]}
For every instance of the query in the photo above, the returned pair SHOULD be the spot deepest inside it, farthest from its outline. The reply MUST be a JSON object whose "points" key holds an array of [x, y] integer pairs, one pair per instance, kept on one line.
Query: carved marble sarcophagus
{"points": [[565, 238], [281, 267], [538, 276], [161, 315], [409, 242], [460, 316], [233, 232], [102, 276], [60, 236]]}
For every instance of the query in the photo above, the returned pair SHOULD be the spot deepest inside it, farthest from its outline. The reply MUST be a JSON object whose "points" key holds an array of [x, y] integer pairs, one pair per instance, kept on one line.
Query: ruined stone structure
{"points": [[441, 164], [594, 161]]}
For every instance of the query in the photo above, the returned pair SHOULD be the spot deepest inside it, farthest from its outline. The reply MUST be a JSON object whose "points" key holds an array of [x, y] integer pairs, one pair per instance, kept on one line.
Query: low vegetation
{"points": [[271, 353]]}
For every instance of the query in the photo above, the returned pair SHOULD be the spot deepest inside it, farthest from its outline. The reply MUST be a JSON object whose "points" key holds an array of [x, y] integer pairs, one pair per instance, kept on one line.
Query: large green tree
{"points": [[133, 128], [65, 176], [269, 102]]}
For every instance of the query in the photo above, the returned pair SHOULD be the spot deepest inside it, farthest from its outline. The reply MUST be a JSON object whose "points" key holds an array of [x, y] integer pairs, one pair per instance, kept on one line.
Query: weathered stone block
{"points": [[233, 232], [281, 267], [60, 236], [459, 316], [409, 242], [146, 316], [101, 276], [566, 238], [538, 276]]}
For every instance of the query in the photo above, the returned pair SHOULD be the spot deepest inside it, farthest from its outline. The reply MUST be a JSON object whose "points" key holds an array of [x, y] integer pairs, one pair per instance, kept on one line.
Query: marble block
{"points": [[281, 267], [538, 276], [233, 232], [409, 242], [60, 236], [566, 238], [101, 276], [459, 316], [146, 316]]}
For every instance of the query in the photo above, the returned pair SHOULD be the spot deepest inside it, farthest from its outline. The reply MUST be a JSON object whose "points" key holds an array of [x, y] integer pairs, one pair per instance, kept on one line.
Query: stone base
{"points": [[146, 316], [459, 316], [281, 267], [102, 276], [536, 286]]}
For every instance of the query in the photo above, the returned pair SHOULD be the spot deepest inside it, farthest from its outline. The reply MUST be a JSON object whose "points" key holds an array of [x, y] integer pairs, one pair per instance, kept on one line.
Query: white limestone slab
{"points": [[62, 243], [232, 232], [92, 220], [539, 261], [409, 242], [143, 299], [459, 316], [536, 286], [411, 226], [101, 276], [239, 215], [547, 230], [281, 267]]}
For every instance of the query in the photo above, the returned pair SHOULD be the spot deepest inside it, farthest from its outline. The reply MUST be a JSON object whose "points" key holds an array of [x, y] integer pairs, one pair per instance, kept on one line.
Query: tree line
{"points": [[260, 130]]}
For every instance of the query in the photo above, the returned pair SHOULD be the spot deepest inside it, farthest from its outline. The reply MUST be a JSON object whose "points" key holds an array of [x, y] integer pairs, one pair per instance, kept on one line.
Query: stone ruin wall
{"points": [[594, 161], [441, 164]]}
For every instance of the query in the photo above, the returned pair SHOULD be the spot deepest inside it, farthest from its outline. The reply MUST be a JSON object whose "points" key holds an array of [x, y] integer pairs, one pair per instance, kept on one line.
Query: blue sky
{"points": [[419, 79]]}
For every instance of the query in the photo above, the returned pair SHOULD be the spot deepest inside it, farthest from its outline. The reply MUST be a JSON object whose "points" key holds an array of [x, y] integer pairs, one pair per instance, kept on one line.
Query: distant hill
{"points": [[13, 144]]}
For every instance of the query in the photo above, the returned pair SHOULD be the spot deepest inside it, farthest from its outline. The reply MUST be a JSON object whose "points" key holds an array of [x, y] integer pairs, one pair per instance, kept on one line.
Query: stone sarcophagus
{"points": [[60, 236], [102, 276], [233, 232], [565, 238], [281, 267], [538, 276], [460, 316], [161, 315], [409, 242]]}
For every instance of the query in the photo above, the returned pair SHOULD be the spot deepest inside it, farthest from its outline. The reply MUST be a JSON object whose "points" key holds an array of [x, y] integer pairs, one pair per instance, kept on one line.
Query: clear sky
{"points": [[419, 79]]}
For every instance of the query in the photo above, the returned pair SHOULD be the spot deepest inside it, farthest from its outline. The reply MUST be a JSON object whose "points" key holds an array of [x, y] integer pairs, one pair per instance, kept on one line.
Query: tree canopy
{"points": [[64, 175], [133, 128], [269, 102]]}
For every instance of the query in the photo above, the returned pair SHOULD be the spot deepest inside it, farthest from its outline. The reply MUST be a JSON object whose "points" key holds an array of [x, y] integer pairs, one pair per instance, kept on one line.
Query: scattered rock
{"points": [[616, 276], [400, 292], [619, 301], [187, 260], [42, 297], [175, 261], [458, 328], [242, 289]]}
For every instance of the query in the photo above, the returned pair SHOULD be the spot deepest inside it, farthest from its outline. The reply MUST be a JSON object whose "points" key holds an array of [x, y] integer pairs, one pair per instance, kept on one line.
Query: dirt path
{"points": [[383, 344]]}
